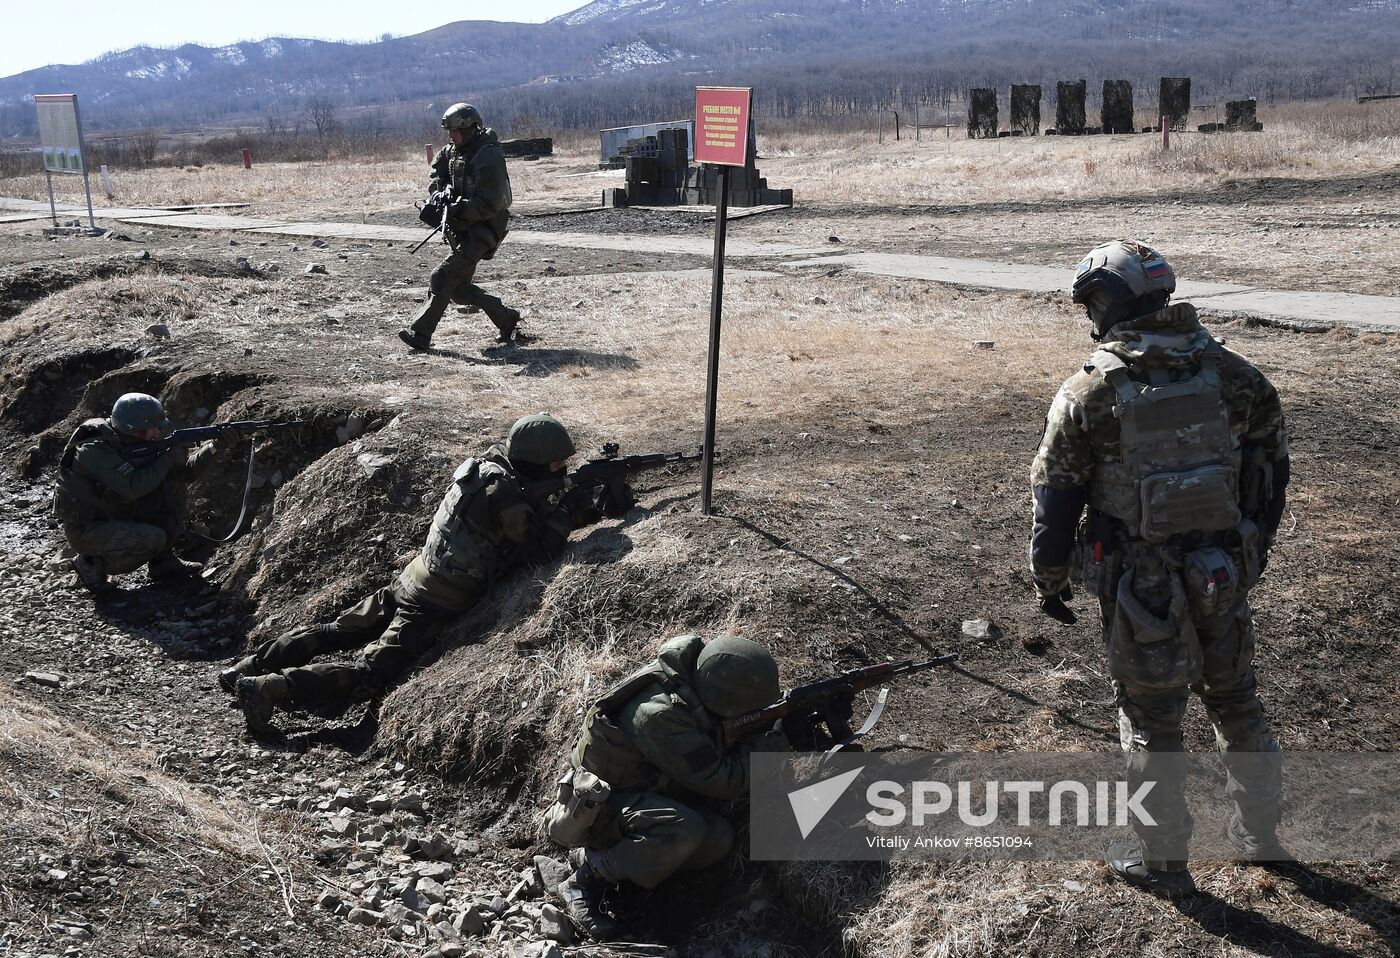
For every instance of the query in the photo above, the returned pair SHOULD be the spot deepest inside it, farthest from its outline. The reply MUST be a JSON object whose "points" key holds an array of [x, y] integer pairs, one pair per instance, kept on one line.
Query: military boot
{"points": [[168, 567], [1252, 847], [416, 341], [93, 578], [1129, 864], [258, 696], [505, 324], [228, 678], [583, 893]]}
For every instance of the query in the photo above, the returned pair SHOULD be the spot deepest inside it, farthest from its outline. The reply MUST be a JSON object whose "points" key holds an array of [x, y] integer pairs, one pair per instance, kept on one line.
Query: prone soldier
{"points": [[1177, 447], [470, 194], [487, 524]]}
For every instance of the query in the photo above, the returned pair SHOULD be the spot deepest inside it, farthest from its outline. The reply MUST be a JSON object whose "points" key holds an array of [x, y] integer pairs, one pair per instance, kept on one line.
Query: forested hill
{"points": [[614, 61]]}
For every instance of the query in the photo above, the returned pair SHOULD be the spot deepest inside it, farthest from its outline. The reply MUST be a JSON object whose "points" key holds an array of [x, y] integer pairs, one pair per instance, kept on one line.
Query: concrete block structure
{"points": [[982, 113], [659, 174], [1241, 118], [1069, 107], [1117, 108], [1174, 102], [1025, 109]]}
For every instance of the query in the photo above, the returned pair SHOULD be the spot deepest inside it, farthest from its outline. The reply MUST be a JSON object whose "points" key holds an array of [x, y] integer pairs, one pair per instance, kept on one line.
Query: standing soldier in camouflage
{"points": [[488, 524], [120, 511], [471, 188], [651, 759], [1177, 446]]}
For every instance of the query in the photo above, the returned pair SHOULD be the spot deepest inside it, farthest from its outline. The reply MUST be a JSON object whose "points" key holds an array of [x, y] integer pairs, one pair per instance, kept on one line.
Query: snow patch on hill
{"points": [[624, 57]]}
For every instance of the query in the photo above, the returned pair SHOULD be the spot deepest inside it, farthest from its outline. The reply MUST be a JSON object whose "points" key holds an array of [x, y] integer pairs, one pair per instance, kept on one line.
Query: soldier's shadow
{"points": [[1265, 936], [540, 362]]}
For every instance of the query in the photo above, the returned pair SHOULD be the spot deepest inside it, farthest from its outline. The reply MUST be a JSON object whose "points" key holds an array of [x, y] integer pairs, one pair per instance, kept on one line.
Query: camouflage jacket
{"points": [[1081, 432], [662, 739], [98, 482], [485, 526], [476, 172]]}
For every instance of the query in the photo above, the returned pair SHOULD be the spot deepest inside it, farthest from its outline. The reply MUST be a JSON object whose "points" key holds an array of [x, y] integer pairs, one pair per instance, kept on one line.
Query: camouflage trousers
{"points": [[390, 629], [653, 836], [452, 282], [118, 547], [1150, 720]]}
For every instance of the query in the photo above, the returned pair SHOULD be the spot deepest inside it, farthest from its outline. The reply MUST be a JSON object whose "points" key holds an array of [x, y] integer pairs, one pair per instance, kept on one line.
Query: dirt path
{"points": [[1319, 308]]}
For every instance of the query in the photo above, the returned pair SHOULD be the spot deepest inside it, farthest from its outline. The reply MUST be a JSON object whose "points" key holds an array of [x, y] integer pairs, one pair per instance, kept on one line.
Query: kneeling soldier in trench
{"points": [[1177, 446], [120, 510], [650, 758], [487, 525]]}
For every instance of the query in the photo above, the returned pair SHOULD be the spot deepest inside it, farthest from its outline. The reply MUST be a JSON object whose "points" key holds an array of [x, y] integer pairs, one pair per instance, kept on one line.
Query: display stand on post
{"points": [[722, 142], [61, 136]]}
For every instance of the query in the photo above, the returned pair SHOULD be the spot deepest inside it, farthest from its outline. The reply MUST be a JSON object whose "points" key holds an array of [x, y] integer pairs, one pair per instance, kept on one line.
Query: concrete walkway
{"points": [[1301, 306]]}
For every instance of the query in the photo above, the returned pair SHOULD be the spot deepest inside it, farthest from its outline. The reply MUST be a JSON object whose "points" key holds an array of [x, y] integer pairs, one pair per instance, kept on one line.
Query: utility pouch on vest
{"points": [[1148, 650], [1196, 500], [1250, 553], [1212, 581], [580, 801]]}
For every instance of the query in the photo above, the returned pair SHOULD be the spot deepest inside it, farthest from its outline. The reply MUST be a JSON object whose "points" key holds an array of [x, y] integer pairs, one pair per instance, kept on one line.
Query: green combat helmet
{"points": [[1122, 280], [735, 676], [461, 116], [539, 440], [134, 413]]}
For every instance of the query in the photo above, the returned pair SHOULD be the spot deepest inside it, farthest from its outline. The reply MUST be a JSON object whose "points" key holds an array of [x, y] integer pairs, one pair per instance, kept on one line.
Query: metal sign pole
{"points": [[82, 155], [53, 210], [716, 310]]}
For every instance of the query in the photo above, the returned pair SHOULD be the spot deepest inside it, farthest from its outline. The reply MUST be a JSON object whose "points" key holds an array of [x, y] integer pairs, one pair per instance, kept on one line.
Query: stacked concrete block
{"points": [[1174, 101], [1117, 107], [1240, 117], [656, 168], [746, 188], [1025, 109], [529, 148], [1069, 107], [982, 113]]}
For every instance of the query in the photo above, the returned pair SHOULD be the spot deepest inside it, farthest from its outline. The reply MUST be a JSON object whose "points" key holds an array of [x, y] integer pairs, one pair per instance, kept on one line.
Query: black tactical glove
{"points": [[615, 504], [430, 214], [800, 729], [578, 501], [1054, 606]]}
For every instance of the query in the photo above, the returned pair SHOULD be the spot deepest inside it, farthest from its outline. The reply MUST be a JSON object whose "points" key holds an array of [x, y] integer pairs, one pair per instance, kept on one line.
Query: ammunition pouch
{"points": [[1194, 500], [580, 801], [1149, 650]]}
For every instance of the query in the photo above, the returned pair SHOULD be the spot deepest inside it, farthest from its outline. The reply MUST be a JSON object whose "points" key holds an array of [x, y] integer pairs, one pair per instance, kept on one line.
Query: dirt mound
{"points": [[24, 284], [104, 847]]}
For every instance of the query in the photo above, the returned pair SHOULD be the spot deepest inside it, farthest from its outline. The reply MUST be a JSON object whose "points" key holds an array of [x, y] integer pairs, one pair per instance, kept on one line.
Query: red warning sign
{"points": [[722, 125]]}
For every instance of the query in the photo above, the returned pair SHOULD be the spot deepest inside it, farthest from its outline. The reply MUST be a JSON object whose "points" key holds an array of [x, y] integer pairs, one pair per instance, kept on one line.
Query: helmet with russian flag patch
{"points": [[1122, 280]]}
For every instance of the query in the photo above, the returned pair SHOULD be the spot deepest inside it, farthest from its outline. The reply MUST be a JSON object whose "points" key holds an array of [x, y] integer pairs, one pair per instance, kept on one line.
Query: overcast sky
{"points": [[73, 31]]}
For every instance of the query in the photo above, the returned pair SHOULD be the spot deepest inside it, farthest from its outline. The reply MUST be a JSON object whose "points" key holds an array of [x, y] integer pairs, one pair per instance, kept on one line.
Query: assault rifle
{"points": [[829, 701], [611, 470], [434, 213], [194, 434]]}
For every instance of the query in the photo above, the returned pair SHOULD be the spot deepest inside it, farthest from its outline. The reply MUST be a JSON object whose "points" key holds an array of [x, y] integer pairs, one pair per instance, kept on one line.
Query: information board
{"points": [[722, 124], [59, 133]]}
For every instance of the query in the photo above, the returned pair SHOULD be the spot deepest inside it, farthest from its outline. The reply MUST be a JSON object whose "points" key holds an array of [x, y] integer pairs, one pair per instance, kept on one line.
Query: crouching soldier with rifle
{"points": [[487, 525], [649, 762], [120, 496]]}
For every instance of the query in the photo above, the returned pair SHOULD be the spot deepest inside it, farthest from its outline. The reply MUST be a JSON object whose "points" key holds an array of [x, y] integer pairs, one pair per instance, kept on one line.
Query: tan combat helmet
{"points": [[1122, 280]]}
